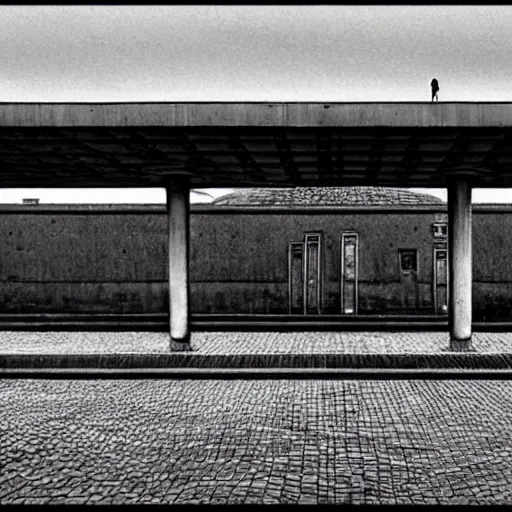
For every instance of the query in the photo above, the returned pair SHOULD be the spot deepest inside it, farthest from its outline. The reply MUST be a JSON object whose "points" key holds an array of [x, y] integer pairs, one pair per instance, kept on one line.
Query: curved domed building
{"points": [[325, 196]]}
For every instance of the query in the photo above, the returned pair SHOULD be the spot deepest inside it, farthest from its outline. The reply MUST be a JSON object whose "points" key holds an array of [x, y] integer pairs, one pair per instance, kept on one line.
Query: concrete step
{"points": [[257, 374], [191, 360], [157, 322]]}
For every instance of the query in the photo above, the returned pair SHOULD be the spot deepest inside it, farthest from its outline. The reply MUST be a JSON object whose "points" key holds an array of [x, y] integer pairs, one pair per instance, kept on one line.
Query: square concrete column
{"points": [[178, 208], [460, 263]]}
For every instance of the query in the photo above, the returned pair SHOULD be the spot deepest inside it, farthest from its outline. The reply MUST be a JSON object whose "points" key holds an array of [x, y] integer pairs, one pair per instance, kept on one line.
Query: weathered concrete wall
{"points": [[83, 263], [492, 266], [251, 248], [117, 262]]}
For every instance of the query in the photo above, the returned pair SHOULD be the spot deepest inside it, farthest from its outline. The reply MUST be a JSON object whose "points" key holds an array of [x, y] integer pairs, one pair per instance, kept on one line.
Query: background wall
{"points": [[99, 261], [492, 266], [83, 263], [240, 262]]}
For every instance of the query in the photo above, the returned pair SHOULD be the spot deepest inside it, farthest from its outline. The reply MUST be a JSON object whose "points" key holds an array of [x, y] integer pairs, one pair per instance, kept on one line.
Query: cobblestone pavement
{"points": [[360, 442], [213, 343]]}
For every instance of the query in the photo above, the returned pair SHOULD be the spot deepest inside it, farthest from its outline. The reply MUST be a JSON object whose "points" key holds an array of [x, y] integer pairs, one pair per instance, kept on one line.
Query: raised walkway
{"points": [[252, 350]]}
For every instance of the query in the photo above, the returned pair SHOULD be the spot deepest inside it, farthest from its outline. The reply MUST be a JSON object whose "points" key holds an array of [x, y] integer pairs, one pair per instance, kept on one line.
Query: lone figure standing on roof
{"points": [[435, 88]]}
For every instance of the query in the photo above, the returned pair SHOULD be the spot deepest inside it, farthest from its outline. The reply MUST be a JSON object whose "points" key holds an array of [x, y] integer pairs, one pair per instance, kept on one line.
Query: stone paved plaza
{"points": [[278, 441], [234, 343]]}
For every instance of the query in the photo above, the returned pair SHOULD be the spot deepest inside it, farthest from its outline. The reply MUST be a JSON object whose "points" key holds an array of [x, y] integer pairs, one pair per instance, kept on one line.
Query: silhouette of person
{"points": [[435, 89]]}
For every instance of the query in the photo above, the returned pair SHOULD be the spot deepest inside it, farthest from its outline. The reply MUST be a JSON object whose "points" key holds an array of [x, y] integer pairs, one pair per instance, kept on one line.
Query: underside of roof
{"points": [[254, 145]]}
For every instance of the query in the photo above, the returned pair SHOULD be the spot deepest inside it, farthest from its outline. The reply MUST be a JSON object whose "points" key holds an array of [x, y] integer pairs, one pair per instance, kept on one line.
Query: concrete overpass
{"points": [[184, 145]]}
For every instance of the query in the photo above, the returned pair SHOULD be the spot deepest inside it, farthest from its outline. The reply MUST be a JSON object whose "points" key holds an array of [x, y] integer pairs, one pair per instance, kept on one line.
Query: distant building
{"points": [[350, 249], [343, 251]]}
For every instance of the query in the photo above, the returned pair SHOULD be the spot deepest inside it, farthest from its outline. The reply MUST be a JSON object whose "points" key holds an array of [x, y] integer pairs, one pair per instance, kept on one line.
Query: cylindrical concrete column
{"points": [[178, 207], [460, 262]]}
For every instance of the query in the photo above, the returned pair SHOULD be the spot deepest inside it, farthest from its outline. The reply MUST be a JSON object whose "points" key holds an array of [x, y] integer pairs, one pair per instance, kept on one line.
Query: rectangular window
{"points": [[295, 277], [440, 281], [408, 259], [441, 267], [349, 256], [349, 273], [312, 273], [440, 229]]}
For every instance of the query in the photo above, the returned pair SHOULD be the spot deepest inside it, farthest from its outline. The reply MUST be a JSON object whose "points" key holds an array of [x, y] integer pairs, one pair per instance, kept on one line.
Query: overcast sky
{"points": [[251, 53]]}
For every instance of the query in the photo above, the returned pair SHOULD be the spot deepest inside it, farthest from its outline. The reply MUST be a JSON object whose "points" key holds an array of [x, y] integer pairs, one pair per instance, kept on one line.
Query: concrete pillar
{"points": [[460, 262], [178, 208]]}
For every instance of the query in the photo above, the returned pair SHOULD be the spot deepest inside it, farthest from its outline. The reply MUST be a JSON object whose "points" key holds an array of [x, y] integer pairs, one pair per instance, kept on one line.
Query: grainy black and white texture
{"points": [[360, 442], [275, 441]]}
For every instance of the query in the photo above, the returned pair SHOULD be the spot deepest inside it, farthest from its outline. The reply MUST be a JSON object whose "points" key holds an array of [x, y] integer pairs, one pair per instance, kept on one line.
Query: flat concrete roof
{"points": [[183, 114], [254, 144]]}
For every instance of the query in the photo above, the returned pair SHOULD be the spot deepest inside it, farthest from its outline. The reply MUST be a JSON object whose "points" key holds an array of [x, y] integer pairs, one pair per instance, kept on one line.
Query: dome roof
{"points": [[325, 196]]}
